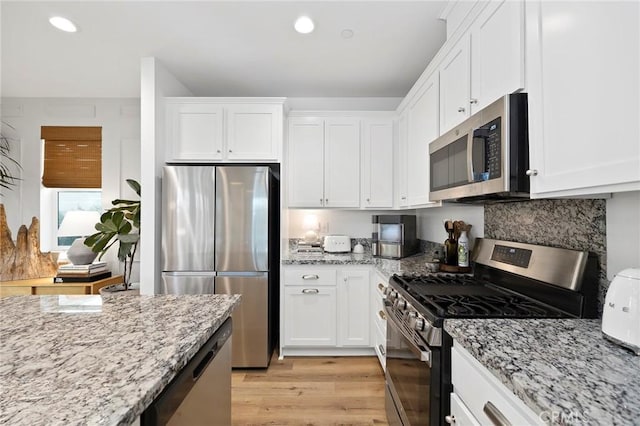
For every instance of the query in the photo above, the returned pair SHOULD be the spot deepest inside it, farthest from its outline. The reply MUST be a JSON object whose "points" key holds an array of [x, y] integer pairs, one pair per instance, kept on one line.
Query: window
{"points": [[71, 177]]}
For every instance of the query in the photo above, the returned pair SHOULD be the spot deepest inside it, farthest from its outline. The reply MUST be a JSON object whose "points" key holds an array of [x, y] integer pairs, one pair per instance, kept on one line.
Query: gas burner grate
{"points": [[447, 279], [489, 306]]}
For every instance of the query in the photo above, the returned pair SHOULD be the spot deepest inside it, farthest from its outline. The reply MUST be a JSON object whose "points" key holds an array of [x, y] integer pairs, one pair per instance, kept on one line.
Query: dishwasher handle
{"points": [[197, 372]]}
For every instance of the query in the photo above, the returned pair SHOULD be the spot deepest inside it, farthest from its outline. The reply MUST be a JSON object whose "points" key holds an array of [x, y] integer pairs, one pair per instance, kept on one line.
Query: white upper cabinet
{"points": [[377, 163], [342, 162], [497, 53], [254, 131], [487, 62], [324, 162], [455, 81], [422, 126], [195, 131], [401, 162], [214, 129], [583, 83]]}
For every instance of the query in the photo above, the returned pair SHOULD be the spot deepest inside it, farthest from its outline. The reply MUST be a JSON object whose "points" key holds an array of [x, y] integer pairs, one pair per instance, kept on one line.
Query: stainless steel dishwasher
{"points": [[200, 394]]}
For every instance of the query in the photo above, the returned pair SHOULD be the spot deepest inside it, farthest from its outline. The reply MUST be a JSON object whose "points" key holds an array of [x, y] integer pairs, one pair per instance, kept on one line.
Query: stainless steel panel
{"points": [[188, 194], [250, 318], [188, 283], [242, 219], [214, 385], [560, 267]]}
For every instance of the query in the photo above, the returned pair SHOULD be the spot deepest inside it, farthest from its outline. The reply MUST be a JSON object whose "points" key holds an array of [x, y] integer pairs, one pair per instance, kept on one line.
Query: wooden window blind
{"points": [[72, 157]]}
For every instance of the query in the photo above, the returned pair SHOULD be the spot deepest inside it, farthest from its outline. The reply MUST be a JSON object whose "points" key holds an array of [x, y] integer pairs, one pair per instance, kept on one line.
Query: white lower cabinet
{"points": [[311, 316], [353, 307], [326, 310], [480, 398]]}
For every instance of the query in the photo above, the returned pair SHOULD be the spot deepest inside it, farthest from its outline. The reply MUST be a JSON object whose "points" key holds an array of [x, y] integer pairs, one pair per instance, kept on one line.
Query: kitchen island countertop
{"points": [[561, 369], [78, 360]]}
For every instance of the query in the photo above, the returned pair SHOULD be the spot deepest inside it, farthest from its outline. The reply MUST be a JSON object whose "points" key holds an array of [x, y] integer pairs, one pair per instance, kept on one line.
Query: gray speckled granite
{"points": [[412, 265], [573, 224], [103, 365], [557, 366]]}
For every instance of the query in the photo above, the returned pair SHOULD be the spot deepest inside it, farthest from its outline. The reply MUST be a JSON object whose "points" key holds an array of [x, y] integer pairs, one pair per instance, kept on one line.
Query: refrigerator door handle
{"points": [[241, 274], [190, 273]]}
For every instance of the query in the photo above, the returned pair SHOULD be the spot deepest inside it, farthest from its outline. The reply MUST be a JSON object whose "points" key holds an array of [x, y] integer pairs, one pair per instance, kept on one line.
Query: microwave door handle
{"points": [[402, 233], [470, 155]]}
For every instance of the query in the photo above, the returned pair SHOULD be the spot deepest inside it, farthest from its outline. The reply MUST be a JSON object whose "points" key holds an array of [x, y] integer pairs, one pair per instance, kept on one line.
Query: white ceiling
{"points": [[219, 48]]}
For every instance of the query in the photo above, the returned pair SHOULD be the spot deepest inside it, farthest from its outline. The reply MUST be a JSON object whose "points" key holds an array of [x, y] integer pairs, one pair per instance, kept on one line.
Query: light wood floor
{"points": [[310, 391]]}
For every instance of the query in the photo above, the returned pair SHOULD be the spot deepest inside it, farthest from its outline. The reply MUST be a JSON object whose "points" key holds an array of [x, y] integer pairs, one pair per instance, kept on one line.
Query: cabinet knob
{"points": [[473, 101], [218, 151], [326, 201], [532, 172], [450, 419], [367, 200], [403, 198], [382, 315], [382, 351], [230, 151], [461, 109]]}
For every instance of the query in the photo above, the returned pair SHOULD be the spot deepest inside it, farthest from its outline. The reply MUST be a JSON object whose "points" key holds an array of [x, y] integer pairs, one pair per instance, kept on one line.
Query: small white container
{"points": [[463, 249]]}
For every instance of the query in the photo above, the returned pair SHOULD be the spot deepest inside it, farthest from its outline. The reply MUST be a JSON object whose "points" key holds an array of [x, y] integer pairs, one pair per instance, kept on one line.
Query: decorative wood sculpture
{"points": [[23, 260]]}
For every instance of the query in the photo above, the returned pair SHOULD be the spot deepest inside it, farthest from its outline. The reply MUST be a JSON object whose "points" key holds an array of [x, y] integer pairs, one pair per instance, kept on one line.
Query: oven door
{"points": [[412, 376]]}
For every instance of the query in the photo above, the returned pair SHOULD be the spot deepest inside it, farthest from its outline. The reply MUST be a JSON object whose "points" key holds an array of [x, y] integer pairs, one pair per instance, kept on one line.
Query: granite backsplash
{"points": [[572, 224]]}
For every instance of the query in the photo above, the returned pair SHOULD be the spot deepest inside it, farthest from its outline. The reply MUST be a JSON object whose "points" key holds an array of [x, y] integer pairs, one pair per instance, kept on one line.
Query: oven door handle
{"points": [[423, 354]]}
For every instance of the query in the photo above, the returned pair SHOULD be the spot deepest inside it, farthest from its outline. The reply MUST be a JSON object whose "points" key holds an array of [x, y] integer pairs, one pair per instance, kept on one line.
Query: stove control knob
{"points": [[419, 324], [400, 304], [413, 314]]}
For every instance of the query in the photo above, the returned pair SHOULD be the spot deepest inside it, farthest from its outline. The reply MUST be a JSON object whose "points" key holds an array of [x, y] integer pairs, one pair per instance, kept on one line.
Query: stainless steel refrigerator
{"points": [[220, 227]]}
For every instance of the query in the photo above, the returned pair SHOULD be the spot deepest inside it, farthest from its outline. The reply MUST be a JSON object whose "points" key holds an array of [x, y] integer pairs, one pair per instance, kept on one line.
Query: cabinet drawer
{"points": [[61, 289], [481, 392], [460, 414], [309, 277], [15, 291]]}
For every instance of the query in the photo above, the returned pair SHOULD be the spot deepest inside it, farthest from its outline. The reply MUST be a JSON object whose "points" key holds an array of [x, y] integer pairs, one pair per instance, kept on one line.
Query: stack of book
{"points": [[82, 273]]}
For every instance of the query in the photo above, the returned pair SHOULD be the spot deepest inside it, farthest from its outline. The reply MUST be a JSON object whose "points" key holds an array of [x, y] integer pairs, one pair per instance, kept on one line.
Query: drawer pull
{"points": [[310, 277], [381, 287], [310, 291], [450, 419], [382, 315], [382, 351], [496, 417]]}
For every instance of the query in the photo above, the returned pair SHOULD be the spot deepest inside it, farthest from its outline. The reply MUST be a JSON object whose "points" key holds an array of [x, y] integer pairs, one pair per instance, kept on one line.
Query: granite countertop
{"points": [[412, 265], [557, 367], [84, 360]]}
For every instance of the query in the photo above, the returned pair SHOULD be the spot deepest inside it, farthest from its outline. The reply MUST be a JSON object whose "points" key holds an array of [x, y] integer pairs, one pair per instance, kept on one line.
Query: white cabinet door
{"points": [[342, 162], [306, 162], [455, 81], [195, 131], [497, 52], [377, 164], [310, 316], [460, 414], [353, 307], [582, 76], [402, 160], [422, 129], [253, 131]]}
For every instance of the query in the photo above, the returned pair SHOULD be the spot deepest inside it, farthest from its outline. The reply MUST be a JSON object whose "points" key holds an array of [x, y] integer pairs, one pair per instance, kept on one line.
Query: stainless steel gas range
{"points": [[510, 280]]}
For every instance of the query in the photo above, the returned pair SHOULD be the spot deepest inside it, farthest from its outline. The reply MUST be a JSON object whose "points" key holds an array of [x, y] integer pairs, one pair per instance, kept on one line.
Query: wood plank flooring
{"points": [[310, 391]]}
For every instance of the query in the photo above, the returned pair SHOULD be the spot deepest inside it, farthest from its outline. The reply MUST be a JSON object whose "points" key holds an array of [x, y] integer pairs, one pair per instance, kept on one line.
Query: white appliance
{"points": [[621, 313], [337, 244]]}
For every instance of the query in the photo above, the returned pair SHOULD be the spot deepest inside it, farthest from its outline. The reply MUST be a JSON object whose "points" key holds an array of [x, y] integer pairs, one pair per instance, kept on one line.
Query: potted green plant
{"points": [[120, 224]]}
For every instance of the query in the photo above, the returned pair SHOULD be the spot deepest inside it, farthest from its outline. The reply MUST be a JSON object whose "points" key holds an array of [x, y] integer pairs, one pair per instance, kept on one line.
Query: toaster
{"points": [[337, 244], [621, 311]]}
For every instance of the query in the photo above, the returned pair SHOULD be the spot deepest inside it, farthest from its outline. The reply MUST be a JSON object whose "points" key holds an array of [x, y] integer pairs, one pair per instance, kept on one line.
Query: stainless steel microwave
{"points": [[484, 158]]}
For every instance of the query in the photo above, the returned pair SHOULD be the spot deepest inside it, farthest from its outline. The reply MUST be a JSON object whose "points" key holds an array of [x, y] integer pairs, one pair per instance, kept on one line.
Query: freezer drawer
{"points": [[251, 345], [187, 283]]}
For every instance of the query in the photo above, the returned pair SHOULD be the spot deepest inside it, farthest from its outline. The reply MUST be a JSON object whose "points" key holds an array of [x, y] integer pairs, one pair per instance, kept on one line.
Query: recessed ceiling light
{"points": [[304, 25], [346, 33], [63, 24]]}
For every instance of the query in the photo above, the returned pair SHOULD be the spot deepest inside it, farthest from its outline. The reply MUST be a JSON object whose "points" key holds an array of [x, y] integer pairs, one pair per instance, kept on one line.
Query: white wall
{"points": [[156, 83], [354, 223], [623, 232], [120, 122]]}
